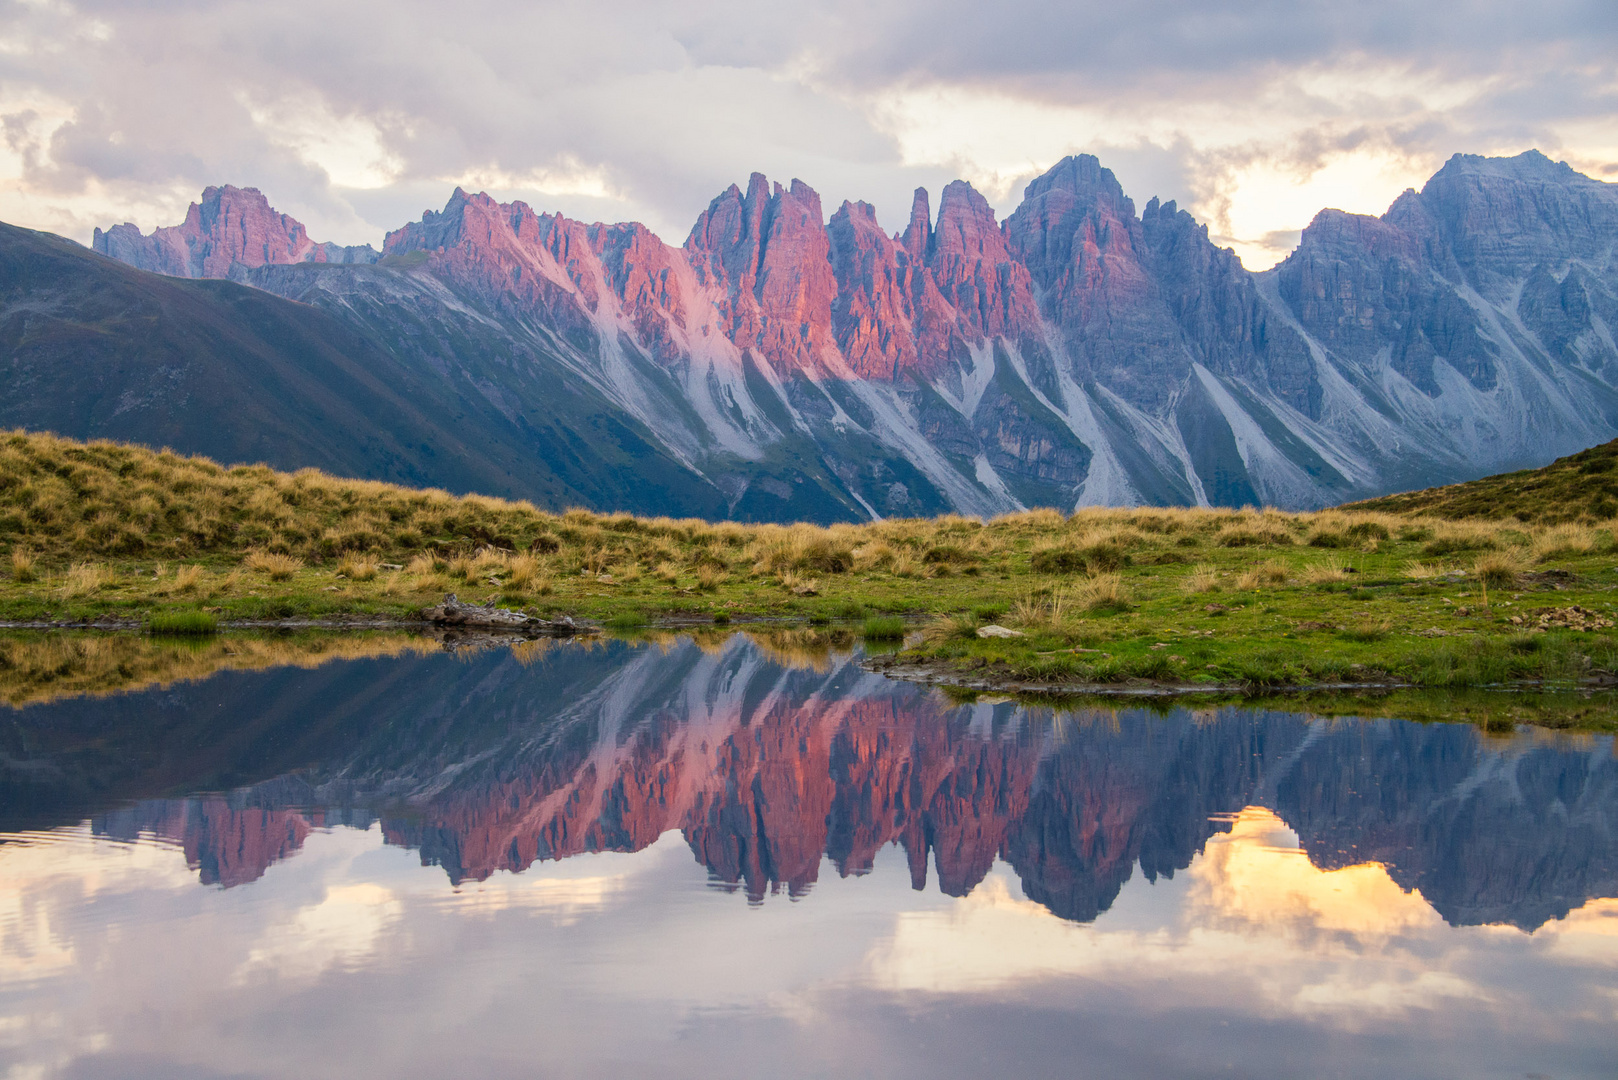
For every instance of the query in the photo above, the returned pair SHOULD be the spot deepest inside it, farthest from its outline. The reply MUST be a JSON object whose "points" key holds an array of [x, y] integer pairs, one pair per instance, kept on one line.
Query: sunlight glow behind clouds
{"points": [[1252, 116]]}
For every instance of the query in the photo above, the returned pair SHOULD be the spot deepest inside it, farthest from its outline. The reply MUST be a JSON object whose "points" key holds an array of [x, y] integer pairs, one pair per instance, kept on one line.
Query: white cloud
{"points": [[353, 116]]}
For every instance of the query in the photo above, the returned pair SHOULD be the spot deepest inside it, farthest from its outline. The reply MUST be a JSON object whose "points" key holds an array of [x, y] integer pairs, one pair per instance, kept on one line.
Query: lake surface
{"points": [[726, 859]]}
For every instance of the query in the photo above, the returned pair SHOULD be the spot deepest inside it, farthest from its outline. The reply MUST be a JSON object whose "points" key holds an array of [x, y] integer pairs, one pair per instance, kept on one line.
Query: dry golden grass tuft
{"points": [[1202, 579], [876, 555], [1254, 532], [86, 578], [1328, 570], [357, 568], [423, 564], [1103, 593], [1269, 572], [188, 578], [22, 565], [1560, 541], [1037, 520], [797, 584], [523, 570], [1500, 568], [904, 564], [279, 567], [1458, 537], [1034, 612]]}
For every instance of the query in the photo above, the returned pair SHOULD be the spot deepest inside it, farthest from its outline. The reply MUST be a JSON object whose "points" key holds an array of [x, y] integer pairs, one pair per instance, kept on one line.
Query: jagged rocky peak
{"points": [[873, 312], [1073, 208], [231, 228], [1493, 219], [472, 221], [1525, 233], [919, 232], [769, 253]]}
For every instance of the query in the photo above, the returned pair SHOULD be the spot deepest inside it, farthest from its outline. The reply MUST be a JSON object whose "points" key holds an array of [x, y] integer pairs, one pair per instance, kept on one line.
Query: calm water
{"points": [[719, 862]]}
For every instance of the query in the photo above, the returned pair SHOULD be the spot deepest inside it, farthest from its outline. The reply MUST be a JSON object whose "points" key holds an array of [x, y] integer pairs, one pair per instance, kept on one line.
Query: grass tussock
{"points": [[1104, 594], [1562, 541], [1268, 573], [182, 624], [627, 620], [357, 568], [1366, 631], [86, 579], [1499, 569], [276, 566], [1460, 538], [1256, 532], [188, 579], [1327, 571], [883, 628]]}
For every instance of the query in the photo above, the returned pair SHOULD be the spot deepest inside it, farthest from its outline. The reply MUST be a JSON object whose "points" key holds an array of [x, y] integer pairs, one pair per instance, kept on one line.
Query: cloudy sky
{"points": [[355, 115]]}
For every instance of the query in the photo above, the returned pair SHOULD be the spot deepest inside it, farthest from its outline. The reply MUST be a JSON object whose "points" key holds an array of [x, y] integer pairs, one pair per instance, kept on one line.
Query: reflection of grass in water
{"points": [[797, 647], [37, 667], [43, 667], [1557, 714]]}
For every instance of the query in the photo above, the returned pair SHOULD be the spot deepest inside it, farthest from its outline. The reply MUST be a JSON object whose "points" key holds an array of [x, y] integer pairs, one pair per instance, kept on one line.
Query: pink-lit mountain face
{"points": [[230, 228], [1076, 353]]}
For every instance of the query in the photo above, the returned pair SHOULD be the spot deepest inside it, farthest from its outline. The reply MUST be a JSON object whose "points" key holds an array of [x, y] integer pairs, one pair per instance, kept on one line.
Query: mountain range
{"points": [[781, 364]]}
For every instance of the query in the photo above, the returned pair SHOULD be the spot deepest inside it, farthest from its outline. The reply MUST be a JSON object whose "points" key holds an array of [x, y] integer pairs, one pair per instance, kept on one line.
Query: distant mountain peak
{"points": [[230, 230], [1528, 165]]}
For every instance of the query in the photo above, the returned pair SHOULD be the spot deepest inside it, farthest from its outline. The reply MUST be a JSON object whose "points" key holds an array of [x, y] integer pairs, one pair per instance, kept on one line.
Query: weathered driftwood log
{"points": [[453, 612]]}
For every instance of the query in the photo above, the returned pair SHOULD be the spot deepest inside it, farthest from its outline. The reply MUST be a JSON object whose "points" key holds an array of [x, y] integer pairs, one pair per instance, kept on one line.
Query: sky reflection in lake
{"points": [[684, 861]]}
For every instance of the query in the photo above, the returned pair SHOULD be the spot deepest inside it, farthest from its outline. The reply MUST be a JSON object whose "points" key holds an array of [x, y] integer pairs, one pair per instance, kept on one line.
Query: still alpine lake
{"points": [[736, 857]]}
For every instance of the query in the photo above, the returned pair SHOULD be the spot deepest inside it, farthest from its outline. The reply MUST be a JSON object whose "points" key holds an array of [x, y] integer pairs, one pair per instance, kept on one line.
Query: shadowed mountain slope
{"points": [[91, 348]]}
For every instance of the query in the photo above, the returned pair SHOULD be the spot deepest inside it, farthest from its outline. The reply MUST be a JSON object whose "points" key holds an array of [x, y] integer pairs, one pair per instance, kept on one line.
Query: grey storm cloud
{"points": [[640, 109]]}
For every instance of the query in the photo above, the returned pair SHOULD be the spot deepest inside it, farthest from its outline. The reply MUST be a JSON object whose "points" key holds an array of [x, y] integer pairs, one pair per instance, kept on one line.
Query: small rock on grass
{"points": [[995, 631]]}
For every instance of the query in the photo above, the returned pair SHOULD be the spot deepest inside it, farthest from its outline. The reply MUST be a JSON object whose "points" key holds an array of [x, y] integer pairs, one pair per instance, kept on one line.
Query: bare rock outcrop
{"points": [[229, 230]]}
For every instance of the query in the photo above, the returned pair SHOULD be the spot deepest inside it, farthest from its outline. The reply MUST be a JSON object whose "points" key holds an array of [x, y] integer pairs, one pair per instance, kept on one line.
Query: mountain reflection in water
{"points": [[773, 773], [1103, 893]]}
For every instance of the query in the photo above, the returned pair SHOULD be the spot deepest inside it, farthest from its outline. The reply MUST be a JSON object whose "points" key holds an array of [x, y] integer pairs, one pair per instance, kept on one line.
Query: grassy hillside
{"points": [[1579, 488], [1105, 596]]}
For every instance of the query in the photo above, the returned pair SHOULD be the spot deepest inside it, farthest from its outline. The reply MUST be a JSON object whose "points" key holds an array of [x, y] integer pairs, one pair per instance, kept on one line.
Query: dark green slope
{"points": [[91, 348], [1580, 487]]}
